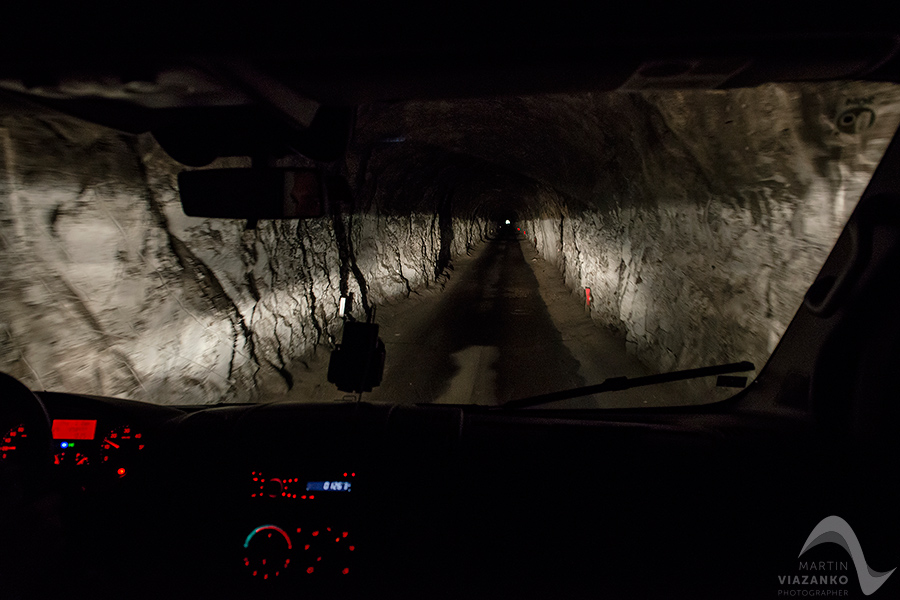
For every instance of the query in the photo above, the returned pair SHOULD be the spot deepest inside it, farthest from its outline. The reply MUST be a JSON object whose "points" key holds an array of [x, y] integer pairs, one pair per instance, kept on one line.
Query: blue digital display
{"points": [[327, 486]]}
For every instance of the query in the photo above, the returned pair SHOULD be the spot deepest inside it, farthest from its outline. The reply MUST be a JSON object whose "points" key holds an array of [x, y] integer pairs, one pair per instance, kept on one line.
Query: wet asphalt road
{"points": [[487, 339]]}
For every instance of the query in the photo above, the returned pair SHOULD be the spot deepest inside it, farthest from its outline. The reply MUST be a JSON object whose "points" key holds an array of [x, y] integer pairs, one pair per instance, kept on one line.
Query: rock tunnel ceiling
{"points": [[697, 219]]}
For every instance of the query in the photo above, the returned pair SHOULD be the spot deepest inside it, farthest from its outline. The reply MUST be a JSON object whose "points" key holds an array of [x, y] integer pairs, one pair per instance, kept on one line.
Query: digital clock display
{"points": [[327, 486], [74, 429]]}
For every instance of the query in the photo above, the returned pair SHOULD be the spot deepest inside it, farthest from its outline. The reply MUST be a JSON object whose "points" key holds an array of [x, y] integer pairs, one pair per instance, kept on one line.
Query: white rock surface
{"points": [[701, 245], [108, 288], [698, 219]]}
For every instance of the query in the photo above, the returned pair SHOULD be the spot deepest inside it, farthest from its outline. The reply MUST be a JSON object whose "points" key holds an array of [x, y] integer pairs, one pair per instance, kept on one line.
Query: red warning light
{"points": [[310, 570], [352, 548], [344, 534], [345, 571], [74, 429], [345, 474], [315, 533], [306, 547], [352, 474], [120, 472]]}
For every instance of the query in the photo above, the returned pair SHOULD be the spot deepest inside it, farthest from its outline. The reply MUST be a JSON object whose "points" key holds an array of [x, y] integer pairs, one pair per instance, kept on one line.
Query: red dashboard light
{"points": [[74, 429]]}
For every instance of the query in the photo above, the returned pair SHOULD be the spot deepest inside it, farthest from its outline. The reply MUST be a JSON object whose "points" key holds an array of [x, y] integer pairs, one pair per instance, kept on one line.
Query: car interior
{"points": [[351, 499]]}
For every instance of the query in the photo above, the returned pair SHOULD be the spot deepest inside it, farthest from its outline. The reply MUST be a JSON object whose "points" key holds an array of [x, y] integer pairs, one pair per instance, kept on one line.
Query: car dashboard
{"points": [[356, 500]]}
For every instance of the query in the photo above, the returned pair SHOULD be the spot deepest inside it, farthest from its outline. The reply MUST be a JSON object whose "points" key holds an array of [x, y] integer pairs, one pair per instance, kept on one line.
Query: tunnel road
{"points": [[504, 327]]}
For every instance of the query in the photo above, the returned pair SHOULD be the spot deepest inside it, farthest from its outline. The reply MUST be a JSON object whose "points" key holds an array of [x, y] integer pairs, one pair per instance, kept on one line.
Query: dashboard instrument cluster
{"points": [[12, 441], [112, 449]]}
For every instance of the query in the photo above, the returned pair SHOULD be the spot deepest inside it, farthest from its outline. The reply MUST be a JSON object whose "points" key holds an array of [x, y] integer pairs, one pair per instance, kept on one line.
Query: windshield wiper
{"points": [[614, 384]]}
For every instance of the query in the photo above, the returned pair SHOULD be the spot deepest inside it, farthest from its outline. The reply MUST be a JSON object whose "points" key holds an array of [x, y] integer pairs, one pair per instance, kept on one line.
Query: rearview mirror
{"points": [[259, 193]]}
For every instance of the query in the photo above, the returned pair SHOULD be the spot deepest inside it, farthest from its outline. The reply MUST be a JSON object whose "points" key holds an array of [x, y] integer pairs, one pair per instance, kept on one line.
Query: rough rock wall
{"points": [[703, 234], [398, 254], [108, 288]]}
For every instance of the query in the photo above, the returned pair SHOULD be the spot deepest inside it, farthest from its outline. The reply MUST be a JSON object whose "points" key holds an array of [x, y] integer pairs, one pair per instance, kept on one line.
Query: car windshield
{"points": [[507, 247]]}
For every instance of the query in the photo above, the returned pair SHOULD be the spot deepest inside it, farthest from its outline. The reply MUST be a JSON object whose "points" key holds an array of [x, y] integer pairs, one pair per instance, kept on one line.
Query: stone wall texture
{"points": [[697, 219], [109, 289], [717, 213]]}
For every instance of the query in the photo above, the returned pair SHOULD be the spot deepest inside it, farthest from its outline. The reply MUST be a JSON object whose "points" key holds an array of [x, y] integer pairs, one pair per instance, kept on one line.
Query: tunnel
{"points": [[647, 232]]}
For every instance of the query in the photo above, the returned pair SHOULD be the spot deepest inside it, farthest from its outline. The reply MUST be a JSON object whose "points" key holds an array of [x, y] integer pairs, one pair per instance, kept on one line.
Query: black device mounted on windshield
{"points": [[357, 363]]}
